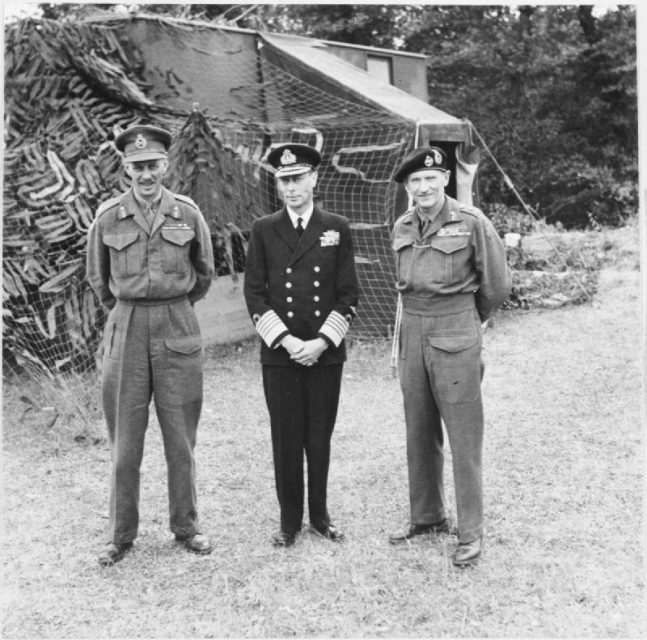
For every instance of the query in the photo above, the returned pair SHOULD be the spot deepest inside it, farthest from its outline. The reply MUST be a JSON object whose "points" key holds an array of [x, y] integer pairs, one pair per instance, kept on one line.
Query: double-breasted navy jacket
{"points": [[304, 286]]}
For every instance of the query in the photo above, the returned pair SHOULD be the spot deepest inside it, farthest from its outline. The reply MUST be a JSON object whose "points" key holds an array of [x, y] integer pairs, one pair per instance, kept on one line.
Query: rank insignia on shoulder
{"points": [[329, 238], [185, 200], [453, 231], [468, 208]]}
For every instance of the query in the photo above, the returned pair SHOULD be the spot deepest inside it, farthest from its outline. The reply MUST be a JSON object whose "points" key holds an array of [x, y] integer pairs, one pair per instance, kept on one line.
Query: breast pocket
{"points": [[450, 258], [175, 249], [325, 258], [403, 252], [126, 254]]}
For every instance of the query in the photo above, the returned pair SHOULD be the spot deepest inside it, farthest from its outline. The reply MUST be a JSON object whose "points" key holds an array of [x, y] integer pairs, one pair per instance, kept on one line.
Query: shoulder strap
{"points": [[108, 204]]}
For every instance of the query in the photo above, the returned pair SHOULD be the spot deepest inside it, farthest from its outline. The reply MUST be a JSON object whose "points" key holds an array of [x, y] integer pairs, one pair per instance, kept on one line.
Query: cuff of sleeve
{"points": [[271, 328], [334, 329], [277, 342], [327, 340]]}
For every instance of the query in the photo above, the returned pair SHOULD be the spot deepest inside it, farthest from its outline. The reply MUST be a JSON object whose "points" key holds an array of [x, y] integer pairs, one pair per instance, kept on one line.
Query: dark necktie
{"points": [[149, 214], [299, 226], [424, 223]]}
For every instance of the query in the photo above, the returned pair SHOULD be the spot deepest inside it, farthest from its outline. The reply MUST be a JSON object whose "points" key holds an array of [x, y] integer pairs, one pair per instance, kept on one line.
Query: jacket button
{"points": [[317, 269], [316, 283], [316, 298], [288, 270], [317, 313], [289, 298], [290, 314], [288, 285]]}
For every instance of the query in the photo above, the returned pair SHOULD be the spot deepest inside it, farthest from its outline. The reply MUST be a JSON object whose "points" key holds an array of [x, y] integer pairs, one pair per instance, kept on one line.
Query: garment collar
{"points": [[305, 216], [145, 204], [442, 212]]}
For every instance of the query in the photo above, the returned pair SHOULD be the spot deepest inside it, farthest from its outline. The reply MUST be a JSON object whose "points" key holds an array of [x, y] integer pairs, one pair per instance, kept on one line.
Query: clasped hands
{"points": [[305, 352]]}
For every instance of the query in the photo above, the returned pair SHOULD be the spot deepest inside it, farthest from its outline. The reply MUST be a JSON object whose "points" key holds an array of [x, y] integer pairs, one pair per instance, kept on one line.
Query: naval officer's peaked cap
{"points": [[293, 158]]}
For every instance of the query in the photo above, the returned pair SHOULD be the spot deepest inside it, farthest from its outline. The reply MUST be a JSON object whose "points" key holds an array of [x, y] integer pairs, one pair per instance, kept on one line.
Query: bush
{"points": [[580, 196], [509, 219]]}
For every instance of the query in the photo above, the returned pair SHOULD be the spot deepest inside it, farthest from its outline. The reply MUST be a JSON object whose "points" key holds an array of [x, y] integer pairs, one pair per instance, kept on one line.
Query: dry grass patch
{"points": [[563, 480]]}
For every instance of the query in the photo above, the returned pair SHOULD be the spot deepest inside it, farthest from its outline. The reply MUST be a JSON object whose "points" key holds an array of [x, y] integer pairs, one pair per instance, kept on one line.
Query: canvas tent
{"points": [[431, 124], [228, 95]]}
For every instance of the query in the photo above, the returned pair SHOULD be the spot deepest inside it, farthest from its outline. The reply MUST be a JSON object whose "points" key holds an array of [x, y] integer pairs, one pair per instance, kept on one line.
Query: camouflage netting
{"points": [[70, 87]]}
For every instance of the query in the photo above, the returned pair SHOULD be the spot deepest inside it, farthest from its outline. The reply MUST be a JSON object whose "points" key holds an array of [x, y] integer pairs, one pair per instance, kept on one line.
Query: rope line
{"points": [[528, 210]]}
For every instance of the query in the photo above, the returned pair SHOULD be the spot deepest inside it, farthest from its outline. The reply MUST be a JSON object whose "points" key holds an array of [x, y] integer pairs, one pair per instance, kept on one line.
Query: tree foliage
{"points": [[551, 89]]}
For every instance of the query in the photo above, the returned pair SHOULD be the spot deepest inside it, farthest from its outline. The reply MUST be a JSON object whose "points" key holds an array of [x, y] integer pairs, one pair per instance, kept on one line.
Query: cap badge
{"points": [[287, 157], [438, 159], [140, 141], [429, 161]]}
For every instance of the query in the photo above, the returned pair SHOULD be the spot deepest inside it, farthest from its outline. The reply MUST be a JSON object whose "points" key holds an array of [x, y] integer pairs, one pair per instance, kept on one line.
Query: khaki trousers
{"points": [[152, 350], [440, 375]]}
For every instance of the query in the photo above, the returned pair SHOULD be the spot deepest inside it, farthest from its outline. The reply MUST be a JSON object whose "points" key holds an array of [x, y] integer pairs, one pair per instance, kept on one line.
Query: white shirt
{"points": [[305, 216]]}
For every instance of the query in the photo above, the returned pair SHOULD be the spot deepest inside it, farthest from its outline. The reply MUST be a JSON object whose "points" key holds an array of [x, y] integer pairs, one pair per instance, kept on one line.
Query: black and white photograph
{"points": [[323, 321]]}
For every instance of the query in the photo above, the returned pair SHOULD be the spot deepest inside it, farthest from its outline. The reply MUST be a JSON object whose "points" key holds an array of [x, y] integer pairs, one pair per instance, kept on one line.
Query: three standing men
{"points": [[149, 260], [301, 292], [451, 275]]}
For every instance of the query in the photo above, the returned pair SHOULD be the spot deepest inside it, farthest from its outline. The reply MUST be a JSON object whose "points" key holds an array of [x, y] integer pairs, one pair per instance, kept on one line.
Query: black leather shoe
{"points": [[283, 539], [197, 543], [113, 552], [468, 553], [330, 532], [414, 530]]}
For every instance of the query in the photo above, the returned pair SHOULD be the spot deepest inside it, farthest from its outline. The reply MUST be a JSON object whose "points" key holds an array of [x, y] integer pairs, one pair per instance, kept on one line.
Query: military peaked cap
{"points": [[292, 159], [422, 159], [143, 142]]}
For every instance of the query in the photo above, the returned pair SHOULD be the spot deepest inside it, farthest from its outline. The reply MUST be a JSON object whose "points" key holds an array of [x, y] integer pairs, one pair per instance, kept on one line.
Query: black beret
{"points": [[143, 142], [420, 159], [292, 159]]}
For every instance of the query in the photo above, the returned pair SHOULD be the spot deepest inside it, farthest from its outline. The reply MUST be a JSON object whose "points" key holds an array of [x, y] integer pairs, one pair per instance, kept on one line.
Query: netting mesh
{"points": [[226, 98]]}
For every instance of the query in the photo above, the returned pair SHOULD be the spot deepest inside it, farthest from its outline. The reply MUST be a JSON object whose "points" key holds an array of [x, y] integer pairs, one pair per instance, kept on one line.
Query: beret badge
{"points": [[422, 159]]}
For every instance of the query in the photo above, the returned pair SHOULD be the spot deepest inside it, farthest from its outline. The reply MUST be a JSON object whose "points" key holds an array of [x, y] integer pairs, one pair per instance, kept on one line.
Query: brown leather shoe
{"points": [[283, 539], [468, 553], [329, 531], [413, 530], [197, 543], [113, 552]]}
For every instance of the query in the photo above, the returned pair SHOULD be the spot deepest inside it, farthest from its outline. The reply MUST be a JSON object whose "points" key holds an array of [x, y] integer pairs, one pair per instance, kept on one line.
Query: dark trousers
{"points": [[302, 403], [152, 351], [440, 376]]}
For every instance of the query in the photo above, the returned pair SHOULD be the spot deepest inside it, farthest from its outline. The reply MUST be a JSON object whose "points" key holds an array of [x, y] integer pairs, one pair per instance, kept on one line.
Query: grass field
{"points": [[564, 464]]}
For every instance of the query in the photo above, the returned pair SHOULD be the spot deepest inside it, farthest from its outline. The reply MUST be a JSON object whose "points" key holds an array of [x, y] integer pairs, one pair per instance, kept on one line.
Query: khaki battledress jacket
{"points": [[149, 272], [131, 259], [459, 253], [452, 276]]}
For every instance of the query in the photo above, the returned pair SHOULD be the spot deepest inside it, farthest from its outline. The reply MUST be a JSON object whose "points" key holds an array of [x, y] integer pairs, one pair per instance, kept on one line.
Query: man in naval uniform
{"points": [[451, 275], [149, 260], [301, 292]]}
